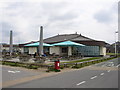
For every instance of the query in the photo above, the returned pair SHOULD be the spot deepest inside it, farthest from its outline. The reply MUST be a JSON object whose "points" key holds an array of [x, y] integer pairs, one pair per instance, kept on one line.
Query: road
{"points": [[9, 74], [102, 75]]}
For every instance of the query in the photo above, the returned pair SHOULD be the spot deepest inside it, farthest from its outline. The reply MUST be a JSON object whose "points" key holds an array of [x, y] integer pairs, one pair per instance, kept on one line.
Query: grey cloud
{"points": [[67, 16], [6, 27], [15, 5], [52, 5], [56, 17], [13, 9], [103, 16], [107, 15], [56, 11]]}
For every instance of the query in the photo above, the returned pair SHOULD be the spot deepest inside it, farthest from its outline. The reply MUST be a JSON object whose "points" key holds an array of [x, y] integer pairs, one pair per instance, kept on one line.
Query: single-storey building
{"points": [[90, 47], [67, 48]]}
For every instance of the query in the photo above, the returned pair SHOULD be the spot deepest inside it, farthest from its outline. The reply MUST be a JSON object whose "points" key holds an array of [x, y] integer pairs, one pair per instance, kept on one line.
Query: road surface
{"points": [[101, 75]]}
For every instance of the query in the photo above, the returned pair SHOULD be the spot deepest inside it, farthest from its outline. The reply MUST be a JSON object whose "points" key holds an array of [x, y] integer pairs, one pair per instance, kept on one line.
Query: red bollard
{"points": [[57, 64]]}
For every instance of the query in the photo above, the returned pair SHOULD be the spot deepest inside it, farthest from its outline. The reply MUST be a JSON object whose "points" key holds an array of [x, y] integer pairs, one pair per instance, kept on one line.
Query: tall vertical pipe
{"points": [[11, 43], [41, 41]]}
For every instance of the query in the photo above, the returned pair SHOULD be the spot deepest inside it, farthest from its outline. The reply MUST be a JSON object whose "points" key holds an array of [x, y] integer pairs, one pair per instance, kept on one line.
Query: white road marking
{"points": [[102, 74], [81, 82], [13, 71], [17, 71], [109, 70], [118, 65], [93, 77]]}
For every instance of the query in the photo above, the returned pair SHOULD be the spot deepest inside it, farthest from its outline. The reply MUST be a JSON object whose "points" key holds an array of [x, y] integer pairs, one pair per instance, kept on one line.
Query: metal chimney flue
{"points": [[41, 41], [11, 43]]}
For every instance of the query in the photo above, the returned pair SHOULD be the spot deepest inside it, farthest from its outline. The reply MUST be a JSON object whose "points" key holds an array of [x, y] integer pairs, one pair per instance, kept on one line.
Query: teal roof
{"points": [[67, 43], [37, 44]]}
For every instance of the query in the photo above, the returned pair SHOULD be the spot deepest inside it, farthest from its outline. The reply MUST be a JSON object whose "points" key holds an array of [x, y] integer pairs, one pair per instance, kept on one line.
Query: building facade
{"points": [[92, 47]]}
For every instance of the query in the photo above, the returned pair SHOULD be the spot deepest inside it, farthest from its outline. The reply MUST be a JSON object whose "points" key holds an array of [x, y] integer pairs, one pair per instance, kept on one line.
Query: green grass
{"points": [[83, 60], [90, 63], [112, 53], [29, 66]]}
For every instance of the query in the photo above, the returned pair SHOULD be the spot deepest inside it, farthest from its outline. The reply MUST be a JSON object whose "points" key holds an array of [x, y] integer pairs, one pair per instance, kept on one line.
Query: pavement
{"points": [[102, 75]]}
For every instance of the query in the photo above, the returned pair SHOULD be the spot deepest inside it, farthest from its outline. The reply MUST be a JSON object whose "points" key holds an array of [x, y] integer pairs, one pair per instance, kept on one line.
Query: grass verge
{"points": [[83, 60]]}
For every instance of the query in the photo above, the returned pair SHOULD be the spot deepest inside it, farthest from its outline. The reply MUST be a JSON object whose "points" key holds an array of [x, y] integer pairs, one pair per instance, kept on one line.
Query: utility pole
{"points": [[11, 43], [41, 42]]}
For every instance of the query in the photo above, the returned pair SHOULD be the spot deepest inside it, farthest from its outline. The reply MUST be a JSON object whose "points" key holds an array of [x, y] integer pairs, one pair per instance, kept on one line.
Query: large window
{"points": [[64, 49], [26, 50], [89, 50]]}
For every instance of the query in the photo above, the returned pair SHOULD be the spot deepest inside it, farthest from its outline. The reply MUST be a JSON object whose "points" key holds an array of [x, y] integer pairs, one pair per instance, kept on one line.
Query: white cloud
{"points": [[96, 19]]}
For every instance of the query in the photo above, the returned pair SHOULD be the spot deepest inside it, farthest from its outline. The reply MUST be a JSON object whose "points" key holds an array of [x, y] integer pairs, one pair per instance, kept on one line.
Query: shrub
{"points": [[52, 69], [35, 67], [31, 67], [56, 70], [12, 64]]}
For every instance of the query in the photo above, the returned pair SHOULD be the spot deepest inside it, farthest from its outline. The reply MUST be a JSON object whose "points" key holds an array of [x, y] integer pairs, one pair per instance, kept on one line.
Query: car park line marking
{"points": [[109, 70], [102, 74], [93, 77], [81, 82], [118, 65]]}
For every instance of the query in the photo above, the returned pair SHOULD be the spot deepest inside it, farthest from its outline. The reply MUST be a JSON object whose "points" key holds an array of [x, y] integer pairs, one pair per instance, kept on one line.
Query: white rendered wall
{"points": [[55, 50], [69, 51], [32, 50], [102, 50]]}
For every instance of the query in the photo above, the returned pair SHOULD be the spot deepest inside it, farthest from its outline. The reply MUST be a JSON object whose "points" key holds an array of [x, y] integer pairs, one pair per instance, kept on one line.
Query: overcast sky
{"points": [[96, 19]]}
